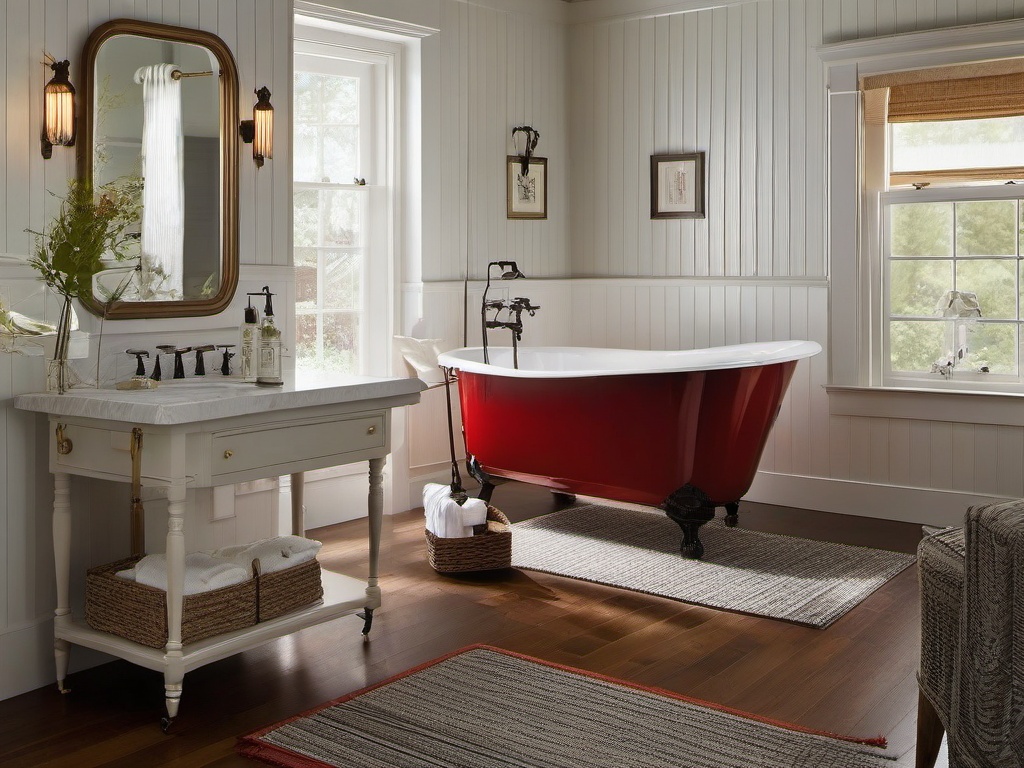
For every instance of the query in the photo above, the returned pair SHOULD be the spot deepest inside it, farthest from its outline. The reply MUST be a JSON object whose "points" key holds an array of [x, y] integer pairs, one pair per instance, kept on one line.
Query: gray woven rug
{"points": [[781, 577], [487, 708]]}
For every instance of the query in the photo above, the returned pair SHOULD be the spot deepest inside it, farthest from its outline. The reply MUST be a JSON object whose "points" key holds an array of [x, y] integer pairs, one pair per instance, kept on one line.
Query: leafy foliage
{"points": [[88, 227]]}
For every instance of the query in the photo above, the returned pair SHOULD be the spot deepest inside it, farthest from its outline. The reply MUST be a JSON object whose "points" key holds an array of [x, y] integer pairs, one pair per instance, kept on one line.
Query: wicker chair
{"points": [[972, 616]]}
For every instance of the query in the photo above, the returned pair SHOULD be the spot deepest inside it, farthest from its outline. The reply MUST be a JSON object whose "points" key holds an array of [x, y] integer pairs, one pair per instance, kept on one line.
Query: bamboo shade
{"points": [[985, 89]]}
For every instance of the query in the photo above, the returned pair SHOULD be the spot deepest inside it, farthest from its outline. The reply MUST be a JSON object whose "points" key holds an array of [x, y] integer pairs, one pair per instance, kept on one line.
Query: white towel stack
{"points": [[203, 572], [274, 554], [225, 567], [445, 518]]}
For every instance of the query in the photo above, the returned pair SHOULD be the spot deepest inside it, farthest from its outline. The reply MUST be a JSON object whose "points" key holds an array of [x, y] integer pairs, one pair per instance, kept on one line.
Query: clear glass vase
{"points": [[57, 371]]}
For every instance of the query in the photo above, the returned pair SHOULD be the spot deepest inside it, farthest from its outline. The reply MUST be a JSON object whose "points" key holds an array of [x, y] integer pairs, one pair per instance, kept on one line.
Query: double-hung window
{"points": [[950, 205], [336, 244]]}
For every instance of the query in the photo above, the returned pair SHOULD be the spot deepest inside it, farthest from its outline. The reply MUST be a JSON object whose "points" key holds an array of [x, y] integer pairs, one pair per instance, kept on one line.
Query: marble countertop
{"points": [[190, 400]]}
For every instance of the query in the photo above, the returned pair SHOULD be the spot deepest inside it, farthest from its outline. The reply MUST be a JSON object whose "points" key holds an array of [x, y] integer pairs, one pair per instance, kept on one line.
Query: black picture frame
{"points": [[677, 186], [529, 200]]}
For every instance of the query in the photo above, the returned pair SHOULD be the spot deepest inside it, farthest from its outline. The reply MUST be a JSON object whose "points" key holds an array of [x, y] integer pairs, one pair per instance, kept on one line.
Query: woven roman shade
{"points": [[984, 89]]}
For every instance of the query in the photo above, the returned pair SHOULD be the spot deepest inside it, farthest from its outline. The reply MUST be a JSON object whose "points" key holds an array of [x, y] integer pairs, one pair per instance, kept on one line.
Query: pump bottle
{"points": [[269, 360], [249, 347]]}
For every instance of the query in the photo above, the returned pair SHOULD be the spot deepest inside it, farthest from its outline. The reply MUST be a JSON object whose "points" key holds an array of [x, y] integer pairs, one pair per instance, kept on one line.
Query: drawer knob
{"points": [[371, 430], [228, 454]]}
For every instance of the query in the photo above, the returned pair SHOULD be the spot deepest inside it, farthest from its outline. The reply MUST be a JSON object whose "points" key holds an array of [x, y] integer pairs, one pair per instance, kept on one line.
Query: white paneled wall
{"points": [[259, 34], [744, 84]]}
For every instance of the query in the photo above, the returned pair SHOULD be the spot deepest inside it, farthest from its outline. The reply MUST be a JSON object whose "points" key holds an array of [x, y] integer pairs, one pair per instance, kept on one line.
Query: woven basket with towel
{"points": [[225, 590], [463, 534]]}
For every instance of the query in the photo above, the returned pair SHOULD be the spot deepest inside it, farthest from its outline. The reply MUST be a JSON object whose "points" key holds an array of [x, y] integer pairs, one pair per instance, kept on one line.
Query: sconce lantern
{"points": [[58, 110], [260, 130]]}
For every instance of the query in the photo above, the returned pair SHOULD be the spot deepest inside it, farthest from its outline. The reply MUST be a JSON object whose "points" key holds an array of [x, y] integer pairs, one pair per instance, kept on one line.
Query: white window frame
{"points": [[379, 297], [857, 385]]}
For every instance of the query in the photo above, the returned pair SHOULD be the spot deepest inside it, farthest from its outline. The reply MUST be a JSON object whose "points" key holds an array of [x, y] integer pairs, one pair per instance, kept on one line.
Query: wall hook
{"points": [[532, 137]]}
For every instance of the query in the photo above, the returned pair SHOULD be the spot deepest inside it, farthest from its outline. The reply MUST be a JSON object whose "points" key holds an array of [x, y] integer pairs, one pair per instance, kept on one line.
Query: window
{"points": [[336, 245], [951, 225]]}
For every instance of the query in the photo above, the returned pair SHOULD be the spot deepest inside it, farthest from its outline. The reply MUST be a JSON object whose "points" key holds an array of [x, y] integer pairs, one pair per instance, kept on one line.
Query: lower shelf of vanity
{"points": [[343, 595]]}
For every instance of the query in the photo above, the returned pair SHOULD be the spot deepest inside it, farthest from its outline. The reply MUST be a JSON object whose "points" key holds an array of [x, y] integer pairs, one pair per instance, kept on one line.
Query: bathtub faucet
{"points": [[509, 271]]}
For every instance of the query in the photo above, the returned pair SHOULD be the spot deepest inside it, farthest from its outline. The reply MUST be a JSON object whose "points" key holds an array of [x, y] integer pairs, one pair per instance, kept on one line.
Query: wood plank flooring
{"points": [[856, 678]]}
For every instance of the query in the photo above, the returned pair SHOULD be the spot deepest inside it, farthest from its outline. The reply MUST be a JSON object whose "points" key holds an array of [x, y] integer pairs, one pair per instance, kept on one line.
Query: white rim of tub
{"points": [[579, 362]]}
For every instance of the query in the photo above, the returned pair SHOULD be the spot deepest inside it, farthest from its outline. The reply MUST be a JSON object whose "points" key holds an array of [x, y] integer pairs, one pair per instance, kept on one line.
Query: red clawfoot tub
{"points": [[683, 430]]}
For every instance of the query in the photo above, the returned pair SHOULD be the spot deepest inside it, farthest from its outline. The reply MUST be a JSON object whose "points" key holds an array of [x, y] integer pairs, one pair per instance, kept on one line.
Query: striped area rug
{"points": [[487, 708], [807, 582]]}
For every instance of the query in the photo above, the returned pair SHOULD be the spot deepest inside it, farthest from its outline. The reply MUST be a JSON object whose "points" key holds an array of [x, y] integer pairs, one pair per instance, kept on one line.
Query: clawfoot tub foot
{"points": [[732, 514], [689, 508], [485, 480]]}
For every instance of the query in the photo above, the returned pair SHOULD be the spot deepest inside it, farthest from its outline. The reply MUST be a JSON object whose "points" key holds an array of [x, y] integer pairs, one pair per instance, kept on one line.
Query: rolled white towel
{"points": [[203, 572], [445, 518], [474, 512], [274, 554]]}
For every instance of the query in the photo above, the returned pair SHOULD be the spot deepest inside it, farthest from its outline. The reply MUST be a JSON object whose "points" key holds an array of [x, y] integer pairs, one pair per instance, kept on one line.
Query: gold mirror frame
{"points": [[122, 310]]}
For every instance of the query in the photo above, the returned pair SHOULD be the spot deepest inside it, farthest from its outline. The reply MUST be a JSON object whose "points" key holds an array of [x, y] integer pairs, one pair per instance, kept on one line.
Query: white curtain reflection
{"points": [[163, 209]]}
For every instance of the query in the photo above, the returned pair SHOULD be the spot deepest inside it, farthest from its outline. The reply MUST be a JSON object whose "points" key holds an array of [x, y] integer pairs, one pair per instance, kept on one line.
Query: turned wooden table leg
{"points": [[62, 569], [375, 510], [174, 667], [298, 510]]}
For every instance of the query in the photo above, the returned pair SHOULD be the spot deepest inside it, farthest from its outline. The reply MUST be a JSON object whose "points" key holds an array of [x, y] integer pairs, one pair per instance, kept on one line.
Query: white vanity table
{"points": [[201, 434]]}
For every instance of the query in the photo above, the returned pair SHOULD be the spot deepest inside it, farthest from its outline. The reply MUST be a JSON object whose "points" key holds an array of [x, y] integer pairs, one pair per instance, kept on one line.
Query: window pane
{"points": [[995, 282], [306, 218], [341, 342], [341, 99], [915, 344], [307, 97], [305, 338], [306, 153], [988, 143], [342, 217], [922, 229], [341, 154], [993, 345], [305, 278], [986, 228], [343, 280], [917, 286]]}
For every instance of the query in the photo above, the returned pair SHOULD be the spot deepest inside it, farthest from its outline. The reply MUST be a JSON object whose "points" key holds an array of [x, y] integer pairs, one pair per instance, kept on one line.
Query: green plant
{"points": [[90, 226]]}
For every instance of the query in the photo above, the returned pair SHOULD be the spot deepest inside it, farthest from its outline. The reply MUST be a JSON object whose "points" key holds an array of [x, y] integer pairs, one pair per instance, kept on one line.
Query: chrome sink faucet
{"points": [[514, 308]]}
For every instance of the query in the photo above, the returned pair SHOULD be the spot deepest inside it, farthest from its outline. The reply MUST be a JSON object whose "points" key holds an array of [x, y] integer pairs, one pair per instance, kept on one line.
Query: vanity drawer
{"points": [[269, 445]]}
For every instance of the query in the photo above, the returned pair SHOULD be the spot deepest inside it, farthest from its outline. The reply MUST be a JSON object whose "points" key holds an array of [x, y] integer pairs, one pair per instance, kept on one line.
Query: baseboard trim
{"points": [[846, 497]]}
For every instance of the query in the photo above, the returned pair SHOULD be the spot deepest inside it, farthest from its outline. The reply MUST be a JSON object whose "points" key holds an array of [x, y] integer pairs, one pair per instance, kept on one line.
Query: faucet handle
{"points": [[140, 368]]}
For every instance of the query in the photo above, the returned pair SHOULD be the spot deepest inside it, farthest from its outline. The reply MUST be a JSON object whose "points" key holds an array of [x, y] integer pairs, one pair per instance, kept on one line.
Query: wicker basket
{"points": [[487, 551], [138, 612], [285, 591]]}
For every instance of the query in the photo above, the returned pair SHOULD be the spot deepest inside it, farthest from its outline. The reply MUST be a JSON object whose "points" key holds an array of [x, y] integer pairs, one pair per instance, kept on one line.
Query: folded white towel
{"points": [[128, 574], [203, 572], [274, 554], [445, 518]]}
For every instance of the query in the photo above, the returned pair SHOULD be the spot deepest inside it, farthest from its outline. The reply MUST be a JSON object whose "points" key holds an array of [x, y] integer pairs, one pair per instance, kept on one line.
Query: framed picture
{"points": [[677, 186], [526, 196]]}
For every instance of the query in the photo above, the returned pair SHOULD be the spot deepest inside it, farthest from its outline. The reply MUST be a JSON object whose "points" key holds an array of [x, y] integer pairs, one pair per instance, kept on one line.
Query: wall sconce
{"points": [[260, 130], [58, 109]]}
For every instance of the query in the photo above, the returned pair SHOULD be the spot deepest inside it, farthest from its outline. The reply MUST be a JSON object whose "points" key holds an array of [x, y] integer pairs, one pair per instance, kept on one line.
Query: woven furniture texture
{"points": [[782, 577], [972, 621], [490, 550], [138, 612], [486, 708]]}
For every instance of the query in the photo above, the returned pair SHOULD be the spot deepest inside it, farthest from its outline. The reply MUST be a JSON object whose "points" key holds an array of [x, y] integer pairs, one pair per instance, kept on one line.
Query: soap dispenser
{"points": [[250, 343], [269, 361]]}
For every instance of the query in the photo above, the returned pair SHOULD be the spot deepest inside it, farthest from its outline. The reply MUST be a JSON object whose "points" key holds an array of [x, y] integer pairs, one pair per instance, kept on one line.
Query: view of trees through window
{"points": [[971, 246], [949, 144], [329, 223]]}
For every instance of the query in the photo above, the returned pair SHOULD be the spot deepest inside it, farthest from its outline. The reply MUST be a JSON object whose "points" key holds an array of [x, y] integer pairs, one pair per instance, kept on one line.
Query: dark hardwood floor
{"points": [[856, 678]]}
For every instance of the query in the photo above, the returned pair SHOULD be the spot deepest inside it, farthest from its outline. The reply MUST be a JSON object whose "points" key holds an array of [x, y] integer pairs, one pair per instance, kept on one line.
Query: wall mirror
{"points": [[160, 103]]}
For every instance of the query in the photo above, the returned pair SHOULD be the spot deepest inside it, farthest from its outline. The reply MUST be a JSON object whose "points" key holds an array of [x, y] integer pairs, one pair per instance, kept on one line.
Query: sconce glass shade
{"points": [[263, 124], [59, 108]]}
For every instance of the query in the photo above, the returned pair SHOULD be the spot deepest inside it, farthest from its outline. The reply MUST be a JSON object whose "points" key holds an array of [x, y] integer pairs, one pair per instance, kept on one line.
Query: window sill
{"points": [[1003, 409]]}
